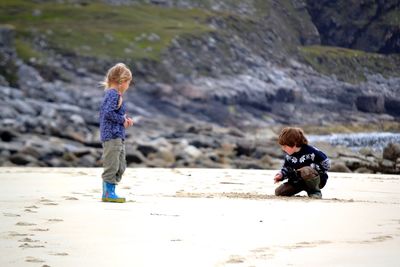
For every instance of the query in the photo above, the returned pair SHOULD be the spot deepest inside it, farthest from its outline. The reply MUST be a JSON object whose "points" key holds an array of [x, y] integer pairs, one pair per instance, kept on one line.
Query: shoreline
{"points": [[377, 141]]}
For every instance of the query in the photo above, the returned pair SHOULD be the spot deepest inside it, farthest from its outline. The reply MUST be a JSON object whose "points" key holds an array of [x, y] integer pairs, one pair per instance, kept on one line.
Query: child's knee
{"points": [[277, 192], [284, 190]]}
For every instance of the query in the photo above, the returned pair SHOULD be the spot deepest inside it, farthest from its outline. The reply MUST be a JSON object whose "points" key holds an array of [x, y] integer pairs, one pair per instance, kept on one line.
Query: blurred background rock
{"points": [[215, 80]]}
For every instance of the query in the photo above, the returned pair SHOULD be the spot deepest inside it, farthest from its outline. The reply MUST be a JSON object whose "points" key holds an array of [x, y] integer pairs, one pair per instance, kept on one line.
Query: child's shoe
{"points": [[317, 195], [109, 194]]}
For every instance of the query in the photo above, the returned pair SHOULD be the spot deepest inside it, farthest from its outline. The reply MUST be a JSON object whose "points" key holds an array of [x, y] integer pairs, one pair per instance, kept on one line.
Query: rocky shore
{"points": [[35, 132], [222, 109]]}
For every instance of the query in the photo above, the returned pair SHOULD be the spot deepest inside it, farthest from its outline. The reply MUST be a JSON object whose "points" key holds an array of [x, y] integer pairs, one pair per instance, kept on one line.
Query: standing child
{"points": [[305, 166], [113, 121]]}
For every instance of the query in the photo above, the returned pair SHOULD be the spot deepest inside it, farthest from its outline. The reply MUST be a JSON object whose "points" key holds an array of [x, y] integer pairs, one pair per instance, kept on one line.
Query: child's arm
{"points": [[324, 165], [282, 174], [321, 162]]}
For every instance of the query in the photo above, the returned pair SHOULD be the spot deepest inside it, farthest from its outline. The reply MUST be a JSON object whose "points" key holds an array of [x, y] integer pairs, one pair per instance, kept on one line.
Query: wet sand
{"points": [[195, 217]]}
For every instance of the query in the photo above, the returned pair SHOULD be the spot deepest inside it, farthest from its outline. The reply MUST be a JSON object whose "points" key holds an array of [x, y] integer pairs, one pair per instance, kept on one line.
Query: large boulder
{"points": [[339, 167], [364, 25], [288, 95], [371, 103], [392, 106], [391, 152]]}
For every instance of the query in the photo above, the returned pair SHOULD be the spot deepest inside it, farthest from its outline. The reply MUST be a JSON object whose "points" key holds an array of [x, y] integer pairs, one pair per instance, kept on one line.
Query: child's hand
{"points": [[128, 122], [278, 177]]}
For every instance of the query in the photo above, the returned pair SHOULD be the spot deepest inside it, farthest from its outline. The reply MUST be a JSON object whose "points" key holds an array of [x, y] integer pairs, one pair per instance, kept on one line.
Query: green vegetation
{"points": [[382, 126], [392, 18], [141, 32], [347, 64], [26, 52], [98, 30], [262, 7]]}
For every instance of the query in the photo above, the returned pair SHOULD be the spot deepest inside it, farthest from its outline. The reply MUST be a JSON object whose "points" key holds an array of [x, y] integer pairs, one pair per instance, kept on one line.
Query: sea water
{"points": [[355, 141]]}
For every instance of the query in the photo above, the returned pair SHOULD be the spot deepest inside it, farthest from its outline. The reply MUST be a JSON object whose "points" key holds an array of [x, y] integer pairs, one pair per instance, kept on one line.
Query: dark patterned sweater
{"points": [[307, 156], [111, 117]]}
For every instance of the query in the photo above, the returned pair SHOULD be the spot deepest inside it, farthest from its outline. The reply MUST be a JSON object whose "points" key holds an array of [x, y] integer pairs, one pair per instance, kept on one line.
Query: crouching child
{"points": [[305, 167]]}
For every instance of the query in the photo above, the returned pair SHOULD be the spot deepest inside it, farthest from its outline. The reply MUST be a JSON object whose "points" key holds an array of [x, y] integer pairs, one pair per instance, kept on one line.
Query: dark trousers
{"points": [[290, 189]]}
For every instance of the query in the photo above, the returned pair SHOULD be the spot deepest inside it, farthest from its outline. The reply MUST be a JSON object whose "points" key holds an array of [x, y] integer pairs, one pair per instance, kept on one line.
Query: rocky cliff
{"points": [[371, 26], [215, 79]]}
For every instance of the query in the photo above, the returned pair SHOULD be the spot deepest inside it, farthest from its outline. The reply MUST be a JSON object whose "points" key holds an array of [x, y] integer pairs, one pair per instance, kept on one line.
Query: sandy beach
{"points": [[195, 217]]}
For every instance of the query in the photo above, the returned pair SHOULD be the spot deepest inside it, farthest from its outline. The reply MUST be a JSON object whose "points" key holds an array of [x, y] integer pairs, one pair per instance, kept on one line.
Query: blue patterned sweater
{"points": [[308, 156], [111, 117]]}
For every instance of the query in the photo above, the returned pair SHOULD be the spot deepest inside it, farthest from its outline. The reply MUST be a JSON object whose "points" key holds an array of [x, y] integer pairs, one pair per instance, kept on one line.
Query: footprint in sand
{"points": [[48, 202], [264, 253], [236, 259], [28, 240], [27, 245], [381, 238], [11, 214], [31, 209], [375, 239], [59, 254], [14, 234], [40, 229], [70, 198], [33, 259], [24, 224]]}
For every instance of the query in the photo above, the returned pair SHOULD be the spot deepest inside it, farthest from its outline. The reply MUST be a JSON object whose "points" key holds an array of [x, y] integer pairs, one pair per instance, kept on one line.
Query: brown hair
{"points": [[117, 74], [292, 136]]}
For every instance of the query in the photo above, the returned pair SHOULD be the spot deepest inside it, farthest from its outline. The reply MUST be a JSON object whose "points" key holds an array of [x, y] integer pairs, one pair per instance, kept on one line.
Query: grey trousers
{"points": [[114, 161]]}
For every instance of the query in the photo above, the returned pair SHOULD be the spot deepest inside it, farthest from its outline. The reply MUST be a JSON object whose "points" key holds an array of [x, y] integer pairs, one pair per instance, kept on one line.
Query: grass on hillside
{"points": [[383, 126], [392, 18], [99, 30], [347, 64]]}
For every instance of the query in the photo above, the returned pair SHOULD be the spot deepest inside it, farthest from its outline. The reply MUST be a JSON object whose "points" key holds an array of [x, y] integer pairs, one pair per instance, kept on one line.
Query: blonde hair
{"points": [[117, 74], [292, 136]]}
